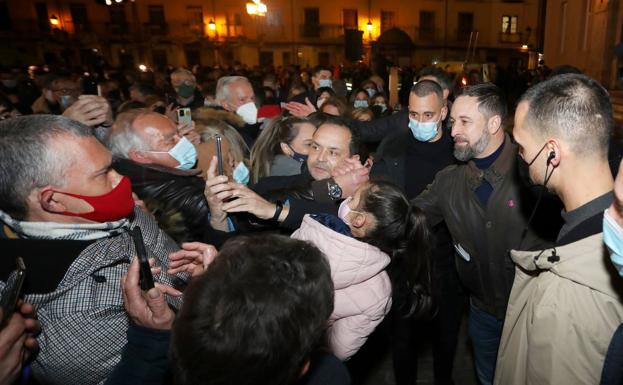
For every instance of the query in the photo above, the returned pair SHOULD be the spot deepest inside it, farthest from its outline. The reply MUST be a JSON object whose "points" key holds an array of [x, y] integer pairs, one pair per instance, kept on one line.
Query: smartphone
{"points": [[12, 291], [184, 116], [146, 278], [219, 154]]}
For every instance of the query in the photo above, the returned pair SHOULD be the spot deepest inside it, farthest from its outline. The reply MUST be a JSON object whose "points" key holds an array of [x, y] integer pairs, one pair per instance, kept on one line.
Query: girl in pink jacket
{"points": [[378, 250]]}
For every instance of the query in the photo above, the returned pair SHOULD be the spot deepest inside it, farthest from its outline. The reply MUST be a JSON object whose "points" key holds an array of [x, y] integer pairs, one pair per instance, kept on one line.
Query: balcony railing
{"points": [[321, 31], [511, 38]]}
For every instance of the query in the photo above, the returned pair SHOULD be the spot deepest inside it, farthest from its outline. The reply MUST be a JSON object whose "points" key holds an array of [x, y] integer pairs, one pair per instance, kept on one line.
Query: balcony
{"points": [[118, 29], [510, 38], [322, 32], [155, 29]]}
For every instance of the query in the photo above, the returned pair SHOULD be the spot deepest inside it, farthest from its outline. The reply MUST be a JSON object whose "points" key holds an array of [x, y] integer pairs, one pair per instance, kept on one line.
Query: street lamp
{"points": [[212, 25], [54, 21], [369, 26], [257, 8]]}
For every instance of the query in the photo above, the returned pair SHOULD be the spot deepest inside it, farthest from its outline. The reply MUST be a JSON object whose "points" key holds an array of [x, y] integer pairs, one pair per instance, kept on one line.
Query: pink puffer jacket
{"points": [[362, 287]]}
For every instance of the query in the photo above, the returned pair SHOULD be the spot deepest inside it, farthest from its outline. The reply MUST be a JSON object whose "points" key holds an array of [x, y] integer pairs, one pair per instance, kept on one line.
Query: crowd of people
{"points": [[289, 215]]}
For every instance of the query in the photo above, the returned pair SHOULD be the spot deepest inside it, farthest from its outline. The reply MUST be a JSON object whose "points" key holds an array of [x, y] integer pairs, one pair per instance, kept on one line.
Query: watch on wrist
{"points": [[334, 190]]}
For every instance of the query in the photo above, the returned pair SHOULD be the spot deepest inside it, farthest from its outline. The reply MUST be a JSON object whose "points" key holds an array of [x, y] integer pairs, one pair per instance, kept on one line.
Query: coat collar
{"points": [[584, 262], [496, 173]]}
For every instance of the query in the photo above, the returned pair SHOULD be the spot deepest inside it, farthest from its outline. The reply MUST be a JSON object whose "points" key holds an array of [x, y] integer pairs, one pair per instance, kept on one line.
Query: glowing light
{"points": [[369, 26], [212, 25], [525, 46], [54, 20], [142, 67], [108, 2], [464, 81], [257, 8]]}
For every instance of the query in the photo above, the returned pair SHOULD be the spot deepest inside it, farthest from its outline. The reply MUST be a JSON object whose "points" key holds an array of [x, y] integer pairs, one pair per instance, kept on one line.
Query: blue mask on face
{"points": [[325, 83], [360, 104], [297, 155], [185, 153], [241, 174], [423, 131], [613, 238], [371, 91]]}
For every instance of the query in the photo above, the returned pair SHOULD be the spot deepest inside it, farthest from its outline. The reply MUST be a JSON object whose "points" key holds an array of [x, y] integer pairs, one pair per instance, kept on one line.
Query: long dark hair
{"points": [[401, 231]]}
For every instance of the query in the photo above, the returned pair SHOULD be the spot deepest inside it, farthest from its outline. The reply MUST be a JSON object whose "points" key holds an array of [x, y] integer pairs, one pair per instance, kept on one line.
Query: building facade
{"points": [[583, 33], [304, 32]]}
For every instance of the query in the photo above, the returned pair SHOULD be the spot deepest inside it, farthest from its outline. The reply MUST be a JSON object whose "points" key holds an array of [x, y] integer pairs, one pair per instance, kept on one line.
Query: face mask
{"points": [[241, 174], [371, 91], [297, 156], [325, 83], [383, 107], [185, 90], [424, 131], [360, 104], [183, 152], [613, 238], [110, 207], [9, 83], [345, 209], [66, 101], [248, 113]]}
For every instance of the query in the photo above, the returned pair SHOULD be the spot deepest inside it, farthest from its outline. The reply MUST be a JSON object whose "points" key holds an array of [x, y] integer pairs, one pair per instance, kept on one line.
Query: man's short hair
{"points": [[573, 107], [442, 76], [319, 68], [255, 316], [222, 86], [184, 71], [491, 100], [426, 87], [123, 136], [28, 161], [355, 142]]}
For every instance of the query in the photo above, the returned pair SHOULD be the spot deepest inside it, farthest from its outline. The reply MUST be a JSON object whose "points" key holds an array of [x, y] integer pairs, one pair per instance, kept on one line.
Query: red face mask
{"points": [[110, 207]]}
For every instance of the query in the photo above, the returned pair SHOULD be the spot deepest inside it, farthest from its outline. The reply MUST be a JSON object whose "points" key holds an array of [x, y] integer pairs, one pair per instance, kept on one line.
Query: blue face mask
{"points": [[297, 155], [371, 91], [325, 83], [613, 238], [241, 174], [360, 104], [423, 131], [185, 153]]}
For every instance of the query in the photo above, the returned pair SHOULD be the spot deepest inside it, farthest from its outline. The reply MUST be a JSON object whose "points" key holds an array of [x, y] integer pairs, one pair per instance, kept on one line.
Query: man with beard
{"points": [[484, 204]]}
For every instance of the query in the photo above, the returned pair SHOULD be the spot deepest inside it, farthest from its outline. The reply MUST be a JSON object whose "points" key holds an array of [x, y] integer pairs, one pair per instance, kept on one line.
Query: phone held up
{"points": [[219, 154], [146, 278], [184, 116], [12, 291]]}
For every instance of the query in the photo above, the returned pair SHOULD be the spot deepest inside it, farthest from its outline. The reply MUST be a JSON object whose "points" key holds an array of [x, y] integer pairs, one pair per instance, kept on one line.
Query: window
{"points": [[427, 25], [266, 58], [193, 57], [43, 19], [387, 20], [156, 15], [466, 24], [324, 59], [312, 16], [5, 17], [311, 28], [194, 15], [78, 14], [160, 58], [350, 19], [286, 58], [509, 24], [117, 14]]}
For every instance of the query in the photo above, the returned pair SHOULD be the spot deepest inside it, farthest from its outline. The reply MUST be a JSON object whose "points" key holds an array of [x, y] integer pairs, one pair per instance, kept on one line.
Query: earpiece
{"points": [[551, 157]]}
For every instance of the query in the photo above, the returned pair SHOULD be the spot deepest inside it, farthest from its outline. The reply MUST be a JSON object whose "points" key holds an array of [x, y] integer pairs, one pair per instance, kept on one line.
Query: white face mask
{"points": [[248, 113]]}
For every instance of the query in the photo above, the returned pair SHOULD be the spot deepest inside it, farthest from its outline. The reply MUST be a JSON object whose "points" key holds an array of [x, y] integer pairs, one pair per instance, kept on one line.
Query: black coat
{"points": [[176, 198]]}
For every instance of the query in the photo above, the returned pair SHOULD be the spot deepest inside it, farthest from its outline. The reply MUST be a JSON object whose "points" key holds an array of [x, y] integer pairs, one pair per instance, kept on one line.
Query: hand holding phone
{"points": [[184, 116], [12, 291], [146, 280]]}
